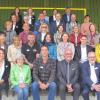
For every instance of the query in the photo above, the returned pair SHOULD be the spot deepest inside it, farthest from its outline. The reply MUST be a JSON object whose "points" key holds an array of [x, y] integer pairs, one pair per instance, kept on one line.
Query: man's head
{"points": [[44, 51], [31, 37], [83, 40], [68, 54], [91, 57]]}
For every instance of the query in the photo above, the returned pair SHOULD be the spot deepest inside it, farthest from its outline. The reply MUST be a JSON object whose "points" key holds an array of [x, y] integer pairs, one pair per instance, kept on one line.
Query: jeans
{"points": [[21, 92], [51, 93]]}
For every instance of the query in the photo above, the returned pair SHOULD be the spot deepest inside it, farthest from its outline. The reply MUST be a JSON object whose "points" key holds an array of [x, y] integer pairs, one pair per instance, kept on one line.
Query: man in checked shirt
{"points": [[44, 70]]}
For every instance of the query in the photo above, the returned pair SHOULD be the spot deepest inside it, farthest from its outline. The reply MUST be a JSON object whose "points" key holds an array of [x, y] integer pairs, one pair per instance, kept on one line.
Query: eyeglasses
{"points": [[44, 26]]}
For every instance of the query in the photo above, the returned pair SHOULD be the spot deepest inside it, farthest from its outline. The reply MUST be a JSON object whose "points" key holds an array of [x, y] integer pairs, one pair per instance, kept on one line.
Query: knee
{"points": [[62, 87], [77, 86], [85, 92], [53, 85], [35, 85]]}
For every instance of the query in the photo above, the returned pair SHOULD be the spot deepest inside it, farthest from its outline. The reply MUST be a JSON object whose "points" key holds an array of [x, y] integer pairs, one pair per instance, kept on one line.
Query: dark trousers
{"points": [[62, 91], [85, 93], [2, 87]]}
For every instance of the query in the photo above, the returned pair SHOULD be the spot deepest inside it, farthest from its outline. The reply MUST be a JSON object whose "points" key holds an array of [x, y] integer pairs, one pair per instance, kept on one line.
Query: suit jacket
{"points": [[78, 51], [53, 27], [33, 18], [85, 73], [65, 19], [62, 72], [6, 73]]}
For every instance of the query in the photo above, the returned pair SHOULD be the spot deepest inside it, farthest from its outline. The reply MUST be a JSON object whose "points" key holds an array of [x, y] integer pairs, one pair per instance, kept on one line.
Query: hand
{"points": [[42, 86], [69, 87], [1, 81], [37, 55], [31, 65], [22, 85], [96, 87]]}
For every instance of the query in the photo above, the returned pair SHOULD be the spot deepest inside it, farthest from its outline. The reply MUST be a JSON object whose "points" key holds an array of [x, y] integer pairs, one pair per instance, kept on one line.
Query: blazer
{"points": [[85, 73], [78, 51], [6, 73], [62, 72], [64, 18], [14, 74]]}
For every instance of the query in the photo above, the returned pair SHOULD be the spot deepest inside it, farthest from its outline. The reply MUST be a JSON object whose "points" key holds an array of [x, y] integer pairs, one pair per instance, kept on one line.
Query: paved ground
{"points": [[45, 98]]}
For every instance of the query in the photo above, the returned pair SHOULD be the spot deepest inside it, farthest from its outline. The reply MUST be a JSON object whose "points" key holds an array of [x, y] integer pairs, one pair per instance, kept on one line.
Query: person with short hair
{"points": [[90, 72], [68, 74], [20, 78], [44, 71]]}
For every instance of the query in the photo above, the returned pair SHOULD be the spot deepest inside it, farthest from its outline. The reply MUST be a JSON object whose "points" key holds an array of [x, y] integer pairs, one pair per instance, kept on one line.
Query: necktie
{"points": [[68, 81]]}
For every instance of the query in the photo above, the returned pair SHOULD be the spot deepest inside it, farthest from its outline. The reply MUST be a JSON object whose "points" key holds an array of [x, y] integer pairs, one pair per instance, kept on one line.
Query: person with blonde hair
{"points": [[14, 49]]}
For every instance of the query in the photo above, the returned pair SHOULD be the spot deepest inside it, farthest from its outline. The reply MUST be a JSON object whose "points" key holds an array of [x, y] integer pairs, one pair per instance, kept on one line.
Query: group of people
{"points": [[50, 53]]}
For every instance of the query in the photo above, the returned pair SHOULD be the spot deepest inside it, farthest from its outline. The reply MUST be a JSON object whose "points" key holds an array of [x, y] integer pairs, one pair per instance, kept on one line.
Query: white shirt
{"points": [[13, 27], [2, 68], [57, 23], [42, 36], [29, 20], [93, 74], [83, 54]]}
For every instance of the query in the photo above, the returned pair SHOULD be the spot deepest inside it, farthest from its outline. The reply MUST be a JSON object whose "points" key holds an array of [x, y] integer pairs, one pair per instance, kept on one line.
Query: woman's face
{"points": [[17, 10], [92, 28], [76, 29], [60, 29], [16, 41], [13, 18], [48, 38], [65, 37], [43, 28], [20, 61]]}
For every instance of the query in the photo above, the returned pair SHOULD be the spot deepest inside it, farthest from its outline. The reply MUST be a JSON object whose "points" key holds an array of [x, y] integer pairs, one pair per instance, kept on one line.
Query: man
{"points": [[90, 71], [30, 49], [68, 73], [82, 50], [67, 16], [44, 70]]}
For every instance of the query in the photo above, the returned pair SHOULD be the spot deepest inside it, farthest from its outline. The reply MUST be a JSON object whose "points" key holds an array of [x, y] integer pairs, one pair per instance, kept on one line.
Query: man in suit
{"points": [[90, 72], [82, 50], [68, 74], [53, 25], [4, 73], [67, 16]]}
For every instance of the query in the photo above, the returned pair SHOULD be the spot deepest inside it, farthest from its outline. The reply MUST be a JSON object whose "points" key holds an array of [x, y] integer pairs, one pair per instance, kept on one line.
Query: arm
{"points": [[53, 72]]}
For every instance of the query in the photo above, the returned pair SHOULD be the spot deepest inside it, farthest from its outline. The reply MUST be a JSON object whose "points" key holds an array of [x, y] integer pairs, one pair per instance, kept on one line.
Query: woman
{"points": [[57, 36], [93, 36], [16, 25], [14, 49], [20, 78], [85, 25], [43, 30], [48, 41], [75, 36], [4, 73], [62, 46]]}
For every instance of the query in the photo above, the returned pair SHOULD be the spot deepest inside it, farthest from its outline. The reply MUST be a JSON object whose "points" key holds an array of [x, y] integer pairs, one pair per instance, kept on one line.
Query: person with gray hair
{"points": [[20, 78], [90, 72], [68, 74]]}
